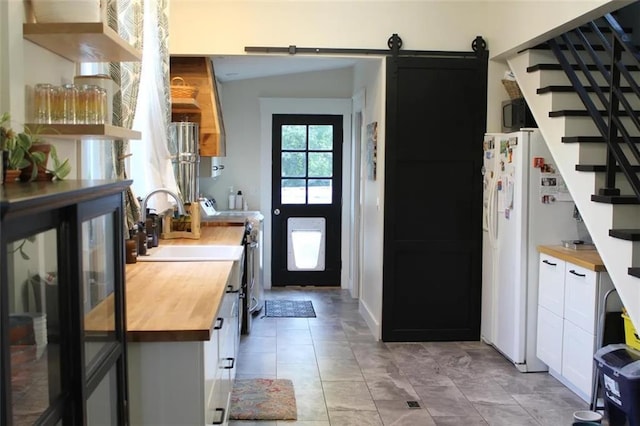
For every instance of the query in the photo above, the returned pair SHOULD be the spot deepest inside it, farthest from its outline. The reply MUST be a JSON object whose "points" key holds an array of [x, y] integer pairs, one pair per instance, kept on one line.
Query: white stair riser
{"points": [[621, 183], [596, 153], [537, 57], [625, 216], [571, 100], [584, 126], [559, 78]]}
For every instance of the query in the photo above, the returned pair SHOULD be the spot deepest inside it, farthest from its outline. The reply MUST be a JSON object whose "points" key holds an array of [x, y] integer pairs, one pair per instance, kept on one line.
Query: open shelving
{"points": [[84, 131], [82, 42]]}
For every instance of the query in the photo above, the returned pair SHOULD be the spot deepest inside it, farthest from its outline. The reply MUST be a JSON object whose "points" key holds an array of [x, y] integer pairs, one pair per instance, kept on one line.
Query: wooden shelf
{"points": [[82, 42], [184, 105], [84, 131]]}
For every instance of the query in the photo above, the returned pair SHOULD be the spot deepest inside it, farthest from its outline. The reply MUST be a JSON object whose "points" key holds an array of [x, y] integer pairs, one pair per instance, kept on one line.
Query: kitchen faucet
{"points": [[181, 209]]}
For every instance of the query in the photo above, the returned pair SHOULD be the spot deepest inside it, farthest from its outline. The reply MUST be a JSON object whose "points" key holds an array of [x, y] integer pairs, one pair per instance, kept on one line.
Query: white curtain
{"points": [[150, 163]]}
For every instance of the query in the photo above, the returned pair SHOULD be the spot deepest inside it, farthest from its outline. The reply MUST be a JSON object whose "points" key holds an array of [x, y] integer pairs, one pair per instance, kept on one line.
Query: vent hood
{"points": [[205, 109]]}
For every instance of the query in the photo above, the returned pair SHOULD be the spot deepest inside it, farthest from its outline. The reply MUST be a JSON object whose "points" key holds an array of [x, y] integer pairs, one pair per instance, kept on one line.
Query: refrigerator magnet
{"points": [[538, 162]]}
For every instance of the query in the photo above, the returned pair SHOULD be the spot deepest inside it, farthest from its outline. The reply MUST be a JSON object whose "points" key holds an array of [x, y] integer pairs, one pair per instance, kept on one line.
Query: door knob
{"points": [[276, 212]]}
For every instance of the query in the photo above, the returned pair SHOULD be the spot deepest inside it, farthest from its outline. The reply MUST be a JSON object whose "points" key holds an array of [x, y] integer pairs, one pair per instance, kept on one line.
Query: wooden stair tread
{"points": [[615, 199], [591, 139], [625, 234], [582, 113], [558, 67], [601, 168], [563, 46], [570, 89]]}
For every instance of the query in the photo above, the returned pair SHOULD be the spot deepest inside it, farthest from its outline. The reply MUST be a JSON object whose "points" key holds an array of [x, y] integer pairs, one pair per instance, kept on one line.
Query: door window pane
{"points": [[320, 164], [98, 286], [34, 325], [320, 191], [321, 138], [294, 137], [293, 191], [294, 164]]}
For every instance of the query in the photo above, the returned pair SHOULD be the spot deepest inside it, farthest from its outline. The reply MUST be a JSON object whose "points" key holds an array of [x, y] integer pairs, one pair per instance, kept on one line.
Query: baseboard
{"points": [[370, 319]]}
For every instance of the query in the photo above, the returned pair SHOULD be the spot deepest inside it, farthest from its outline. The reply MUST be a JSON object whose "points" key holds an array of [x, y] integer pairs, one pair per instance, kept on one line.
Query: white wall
{"points": [[370, 77], [512, 25], [227, 26]]}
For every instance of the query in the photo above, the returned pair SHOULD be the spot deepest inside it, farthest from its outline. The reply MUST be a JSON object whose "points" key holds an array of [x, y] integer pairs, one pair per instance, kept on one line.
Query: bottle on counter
{"points": [[232, 199], [239, 201], [142, 240], [149, 225], [131, 245]]}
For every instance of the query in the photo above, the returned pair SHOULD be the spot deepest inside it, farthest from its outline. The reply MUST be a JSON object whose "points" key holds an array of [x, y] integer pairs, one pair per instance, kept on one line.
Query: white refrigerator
{"points": [[525, 204]]}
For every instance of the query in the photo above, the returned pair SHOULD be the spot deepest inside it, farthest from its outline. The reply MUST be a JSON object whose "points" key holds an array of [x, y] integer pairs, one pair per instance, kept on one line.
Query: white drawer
{"points": [[549, 342], [551, 284], [580, 297], [577, 357]]}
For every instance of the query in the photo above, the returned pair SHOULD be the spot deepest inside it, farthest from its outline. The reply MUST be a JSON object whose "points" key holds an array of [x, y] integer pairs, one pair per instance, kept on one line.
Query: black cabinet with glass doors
{"points": [[63, 359]]}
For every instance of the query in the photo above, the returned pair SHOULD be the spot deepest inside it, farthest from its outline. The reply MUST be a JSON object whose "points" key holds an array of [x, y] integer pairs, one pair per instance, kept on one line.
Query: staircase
{"points": [[573, 114]]}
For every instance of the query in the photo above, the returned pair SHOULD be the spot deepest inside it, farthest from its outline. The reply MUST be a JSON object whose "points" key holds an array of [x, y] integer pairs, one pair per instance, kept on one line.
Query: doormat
{"points": [[263, 399], [289, 309]]}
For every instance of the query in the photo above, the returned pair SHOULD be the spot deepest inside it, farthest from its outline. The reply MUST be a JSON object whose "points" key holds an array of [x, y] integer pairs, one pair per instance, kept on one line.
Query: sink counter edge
{"points": [[178, 301]]}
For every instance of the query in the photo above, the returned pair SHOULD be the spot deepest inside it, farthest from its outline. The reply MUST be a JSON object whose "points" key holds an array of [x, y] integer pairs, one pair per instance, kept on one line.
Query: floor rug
{"points": [[289, 309], [263, 399]]}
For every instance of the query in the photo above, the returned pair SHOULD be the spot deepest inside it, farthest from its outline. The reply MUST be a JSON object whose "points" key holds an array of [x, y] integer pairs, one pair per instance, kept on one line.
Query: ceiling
{"points": [[242, 67]]}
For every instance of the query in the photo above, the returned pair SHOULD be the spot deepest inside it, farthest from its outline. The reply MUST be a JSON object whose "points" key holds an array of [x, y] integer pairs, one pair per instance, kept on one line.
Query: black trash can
{"points": [[619, 371]]}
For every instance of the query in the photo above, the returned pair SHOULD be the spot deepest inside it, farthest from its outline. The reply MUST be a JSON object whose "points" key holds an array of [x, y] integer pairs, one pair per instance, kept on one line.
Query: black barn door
{"points": [[435, 121]]}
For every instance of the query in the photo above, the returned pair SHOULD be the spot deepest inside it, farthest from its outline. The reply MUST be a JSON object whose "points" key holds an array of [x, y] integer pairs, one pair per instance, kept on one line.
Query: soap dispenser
{"points": [[239, 200]]}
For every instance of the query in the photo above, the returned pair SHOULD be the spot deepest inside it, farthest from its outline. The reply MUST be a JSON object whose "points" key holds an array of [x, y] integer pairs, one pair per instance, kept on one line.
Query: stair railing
{"points": [[613, 129]]}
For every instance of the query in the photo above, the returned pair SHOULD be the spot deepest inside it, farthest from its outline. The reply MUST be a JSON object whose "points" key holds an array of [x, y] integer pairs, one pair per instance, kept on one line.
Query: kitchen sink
{"points": [[192, 253]]}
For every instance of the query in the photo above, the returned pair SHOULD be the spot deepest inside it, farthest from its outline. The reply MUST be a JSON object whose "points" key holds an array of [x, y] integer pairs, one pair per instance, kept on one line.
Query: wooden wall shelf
{"points": [[184, 105], [198, 71], [82, 42], [84, 131]]}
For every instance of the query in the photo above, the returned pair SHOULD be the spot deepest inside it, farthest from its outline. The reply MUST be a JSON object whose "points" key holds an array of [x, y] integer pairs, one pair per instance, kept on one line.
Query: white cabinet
{"points": [[568, 309], [549, 346], [188, 382]]}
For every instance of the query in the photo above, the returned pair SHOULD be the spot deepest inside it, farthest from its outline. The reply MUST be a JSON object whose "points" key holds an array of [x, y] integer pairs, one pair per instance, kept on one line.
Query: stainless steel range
{"points": [[253, 287]]}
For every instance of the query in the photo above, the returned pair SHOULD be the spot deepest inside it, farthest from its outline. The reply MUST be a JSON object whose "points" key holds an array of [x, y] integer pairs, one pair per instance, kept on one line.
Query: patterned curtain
{"points": [[126, 17]]}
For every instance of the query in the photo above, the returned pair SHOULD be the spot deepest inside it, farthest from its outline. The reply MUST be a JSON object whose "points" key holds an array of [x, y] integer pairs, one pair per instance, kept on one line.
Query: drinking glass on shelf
{"points": [[43, 103], [68, 103], [101, 105], [87, 111]]}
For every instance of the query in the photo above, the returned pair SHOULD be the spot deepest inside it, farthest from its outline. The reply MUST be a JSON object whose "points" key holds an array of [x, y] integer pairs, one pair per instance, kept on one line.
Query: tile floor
{"points": [[343, 377]]}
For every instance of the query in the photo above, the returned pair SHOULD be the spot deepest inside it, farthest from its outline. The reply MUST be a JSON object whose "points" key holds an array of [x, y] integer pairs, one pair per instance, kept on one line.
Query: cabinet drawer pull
{"points": [[218, 326], [219, 422], [577, 274], [233, 362], [549, 263]]}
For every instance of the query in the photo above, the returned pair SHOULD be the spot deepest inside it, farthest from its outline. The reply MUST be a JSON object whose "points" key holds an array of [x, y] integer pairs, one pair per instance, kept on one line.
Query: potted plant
{"points": [[15, 147], [28, 157]]}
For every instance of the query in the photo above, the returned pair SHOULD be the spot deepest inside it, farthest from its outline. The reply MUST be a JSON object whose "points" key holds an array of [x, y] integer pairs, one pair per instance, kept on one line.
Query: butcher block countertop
{"points": [[589, 259], [172, 301]]}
